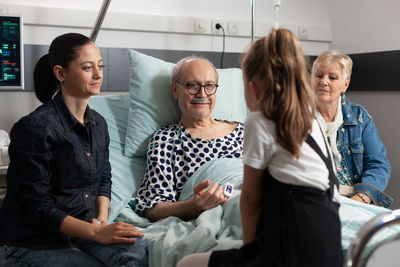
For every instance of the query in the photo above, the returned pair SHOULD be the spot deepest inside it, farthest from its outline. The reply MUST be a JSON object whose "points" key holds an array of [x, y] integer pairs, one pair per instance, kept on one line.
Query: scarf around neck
{"points": [[330, 129]]}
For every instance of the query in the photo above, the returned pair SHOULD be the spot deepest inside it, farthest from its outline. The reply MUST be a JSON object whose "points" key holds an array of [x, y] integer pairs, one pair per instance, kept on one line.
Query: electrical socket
{"points": [[199, 25], [303, 33], [214, 22], [233, 27]]}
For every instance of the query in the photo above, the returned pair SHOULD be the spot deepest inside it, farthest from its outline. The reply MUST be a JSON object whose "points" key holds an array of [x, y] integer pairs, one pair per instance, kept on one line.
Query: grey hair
{"points": [[177, 69], [337, 57]]}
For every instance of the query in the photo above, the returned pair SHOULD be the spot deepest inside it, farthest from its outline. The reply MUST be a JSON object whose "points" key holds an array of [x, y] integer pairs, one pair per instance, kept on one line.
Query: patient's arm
{"points": [[251, 202], [191, 208]]}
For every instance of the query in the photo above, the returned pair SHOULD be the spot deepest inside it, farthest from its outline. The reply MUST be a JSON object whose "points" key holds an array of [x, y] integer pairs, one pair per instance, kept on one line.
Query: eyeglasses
{"points": [[193, 88]]}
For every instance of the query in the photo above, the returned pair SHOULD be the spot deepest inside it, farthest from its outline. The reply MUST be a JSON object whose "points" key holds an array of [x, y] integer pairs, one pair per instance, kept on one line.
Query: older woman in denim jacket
{"points": [[362, 168]]}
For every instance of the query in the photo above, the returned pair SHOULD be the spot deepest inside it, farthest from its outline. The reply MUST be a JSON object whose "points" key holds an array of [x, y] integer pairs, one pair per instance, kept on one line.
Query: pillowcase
{"points": [[127, 173], [153, 106]]}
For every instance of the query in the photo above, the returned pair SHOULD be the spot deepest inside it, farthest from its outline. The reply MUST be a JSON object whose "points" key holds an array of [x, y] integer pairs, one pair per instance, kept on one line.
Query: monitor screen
{"points": [[11, 52]]}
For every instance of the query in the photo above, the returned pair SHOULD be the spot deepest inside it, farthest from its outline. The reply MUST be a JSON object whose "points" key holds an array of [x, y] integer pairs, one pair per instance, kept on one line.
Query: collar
{"points": [[68, 120], [348, 116]]}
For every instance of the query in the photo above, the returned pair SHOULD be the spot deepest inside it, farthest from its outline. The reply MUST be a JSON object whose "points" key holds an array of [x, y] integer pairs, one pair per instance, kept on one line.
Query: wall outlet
{"points": [[303, 33], [214, 30], [233, 27], [199, 25]]}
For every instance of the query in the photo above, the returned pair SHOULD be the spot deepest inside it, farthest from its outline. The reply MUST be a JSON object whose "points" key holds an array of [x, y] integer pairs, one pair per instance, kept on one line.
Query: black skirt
{"points": [[298, 226]]}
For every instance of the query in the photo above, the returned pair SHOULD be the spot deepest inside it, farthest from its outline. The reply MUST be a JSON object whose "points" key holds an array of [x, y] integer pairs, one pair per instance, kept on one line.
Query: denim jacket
{"points": [[58, 167], [364, 153]]}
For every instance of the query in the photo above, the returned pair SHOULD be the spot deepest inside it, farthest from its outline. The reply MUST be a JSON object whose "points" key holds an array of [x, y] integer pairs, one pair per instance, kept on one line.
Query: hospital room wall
{"points": [[371, 27], [123, 27]]}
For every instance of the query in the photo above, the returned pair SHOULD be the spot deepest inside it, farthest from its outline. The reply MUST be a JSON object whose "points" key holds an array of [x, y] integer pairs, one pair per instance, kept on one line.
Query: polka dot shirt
{"points": [[174, 155]]}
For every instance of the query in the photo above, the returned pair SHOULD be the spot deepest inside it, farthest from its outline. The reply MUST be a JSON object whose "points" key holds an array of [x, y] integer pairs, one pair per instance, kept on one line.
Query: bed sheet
{"points": [[171, 239]]}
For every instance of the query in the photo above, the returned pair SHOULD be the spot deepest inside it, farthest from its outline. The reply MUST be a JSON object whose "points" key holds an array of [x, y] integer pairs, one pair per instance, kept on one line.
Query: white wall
{"points": [[163, 24], [361, 26], [158, 24]]}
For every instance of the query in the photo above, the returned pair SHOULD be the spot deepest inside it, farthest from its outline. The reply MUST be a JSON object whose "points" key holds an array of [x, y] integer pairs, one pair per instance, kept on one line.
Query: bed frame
{"points": [[356, 255]]}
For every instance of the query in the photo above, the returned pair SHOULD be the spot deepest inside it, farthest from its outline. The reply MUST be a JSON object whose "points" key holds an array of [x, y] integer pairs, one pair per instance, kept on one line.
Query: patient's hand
{"points": [[205, 200], [118, 232]]}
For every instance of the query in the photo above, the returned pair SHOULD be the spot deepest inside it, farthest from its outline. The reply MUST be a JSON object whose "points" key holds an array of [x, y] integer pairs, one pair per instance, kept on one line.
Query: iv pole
{"points": [[99, 20], [277, 3], [252, 20]]}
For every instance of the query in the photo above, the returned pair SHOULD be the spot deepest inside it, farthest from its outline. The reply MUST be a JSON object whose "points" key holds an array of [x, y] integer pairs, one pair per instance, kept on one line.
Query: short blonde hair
{"points": [[337, 57]]}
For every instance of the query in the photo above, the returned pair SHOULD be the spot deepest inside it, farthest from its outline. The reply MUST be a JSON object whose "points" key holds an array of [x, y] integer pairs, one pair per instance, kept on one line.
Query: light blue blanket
{"points": [[171, 239]]}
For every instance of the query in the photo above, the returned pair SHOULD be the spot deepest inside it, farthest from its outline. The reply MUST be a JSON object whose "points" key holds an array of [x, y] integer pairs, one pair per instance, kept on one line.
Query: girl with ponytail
{"points": [[55, 212], [289, 200]]}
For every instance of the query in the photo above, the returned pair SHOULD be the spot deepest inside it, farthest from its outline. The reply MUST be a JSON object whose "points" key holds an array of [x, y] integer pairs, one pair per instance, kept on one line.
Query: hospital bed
{"points": [[358, 252], [132, 118]]}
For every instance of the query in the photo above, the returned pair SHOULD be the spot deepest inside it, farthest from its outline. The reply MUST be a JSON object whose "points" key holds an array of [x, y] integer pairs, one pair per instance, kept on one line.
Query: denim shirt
{"points": [[58, 167], [364, 153]]}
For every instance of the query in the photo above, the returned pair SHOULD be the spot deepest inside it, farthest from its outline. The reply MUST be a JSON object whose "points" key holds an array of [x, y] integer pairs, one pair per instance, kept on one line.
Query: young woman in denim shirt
{"points": [[59, 179], [362, 168]]}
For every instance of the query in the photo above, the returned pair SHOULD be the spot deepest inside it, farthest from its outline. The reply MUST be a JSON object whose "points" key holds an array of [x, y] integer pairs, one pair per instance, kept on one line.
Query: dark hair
{"points": [[62, 51], [278, 64]]}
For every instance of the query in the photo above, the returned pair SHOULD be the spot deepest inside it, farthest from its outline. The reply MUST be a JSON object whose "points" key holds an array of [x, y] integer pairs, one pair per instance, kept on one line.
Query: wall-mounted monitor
{"points": [[11, 52]]}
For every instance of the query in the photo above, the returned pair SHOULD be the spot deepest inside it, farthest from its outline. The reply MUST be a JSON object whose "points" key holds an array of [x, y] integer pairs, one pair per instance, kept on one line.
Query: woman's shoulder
{"points": [[40, 132], [36, 119], [356, 109]]}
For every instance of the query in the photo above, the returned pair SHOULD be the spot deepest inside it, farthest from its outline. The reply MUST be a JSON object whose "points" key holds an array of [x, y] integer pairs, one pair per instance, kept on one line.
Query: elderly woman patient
{"points": [[362, 168], [175, 152]]}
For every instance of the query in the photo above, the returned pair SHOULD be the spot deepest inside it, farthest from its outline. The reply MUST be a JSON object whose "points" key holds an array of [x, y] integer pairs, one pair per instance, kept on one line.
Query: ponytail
{"points": [[46, 84], [278, 64], [62, 51]]}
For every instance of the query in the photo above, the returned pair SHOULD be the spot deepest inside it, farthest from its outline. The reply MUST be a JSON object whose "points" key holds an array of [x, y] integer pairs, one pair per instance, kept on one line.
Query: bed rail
{"points": [[354, 255]]}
